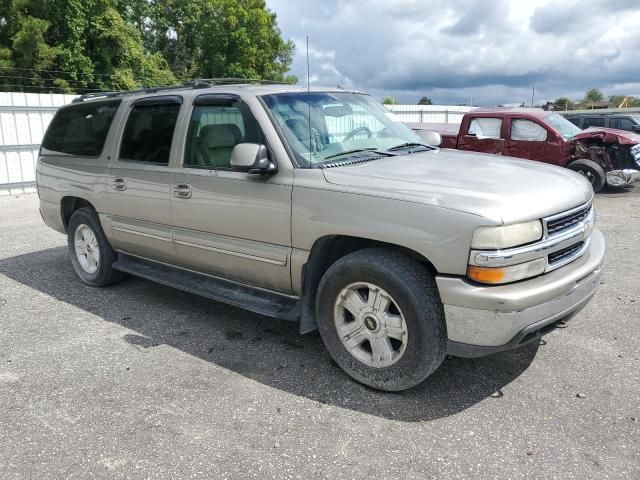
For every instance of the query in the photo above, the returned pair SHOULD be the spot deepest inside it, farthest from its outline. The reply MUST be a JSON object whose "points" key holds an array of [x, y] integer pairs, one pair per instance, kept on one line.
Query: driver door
{"points": [[226, 223]]}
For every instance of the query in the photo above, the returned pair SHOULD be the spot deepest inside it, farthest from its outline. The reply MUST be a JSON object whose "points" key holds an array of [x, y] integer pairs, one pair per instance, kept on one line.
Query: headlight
{"points": [[496, 238], [513, 273]]}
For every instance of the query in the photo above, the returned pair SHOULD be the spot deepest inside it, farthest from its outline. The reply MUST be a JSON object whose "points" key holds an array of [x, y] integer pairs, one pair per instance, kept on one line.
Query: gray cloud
{"points": [[450, 50]]}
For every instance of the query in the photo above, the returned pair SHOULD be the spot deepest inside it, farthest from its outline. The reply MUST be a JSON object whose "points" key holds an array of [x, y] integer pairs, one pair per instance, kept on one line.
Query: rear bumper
{"points": [[486, 319]]}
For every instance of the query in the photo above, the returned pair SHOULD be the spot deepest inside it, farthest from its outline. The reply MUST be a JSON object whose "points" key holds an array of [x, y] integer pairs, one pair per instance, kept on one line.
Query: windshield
{"points": [[320, 127], [563, 126]]}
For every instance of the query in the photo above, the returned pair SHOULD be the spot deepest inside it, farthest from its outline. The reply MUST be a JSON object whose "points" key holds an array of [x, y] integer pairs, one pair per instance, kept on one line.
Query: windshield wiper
{"points": [[351, 152], [408, 145]]}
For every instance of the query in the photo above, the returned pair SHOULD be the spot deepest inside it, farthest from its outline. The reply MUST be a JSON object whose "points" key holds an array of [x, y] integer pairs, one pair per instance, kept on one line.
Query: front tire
{"points": [[591, 171], [381, 319], [91, 255]]}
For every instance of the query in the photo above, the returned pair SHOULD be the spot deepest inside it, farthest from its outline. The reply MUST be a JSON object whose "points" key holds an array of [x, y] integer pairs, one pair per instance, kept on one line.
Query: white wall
{"points": [[429, 113], [23, 120]]}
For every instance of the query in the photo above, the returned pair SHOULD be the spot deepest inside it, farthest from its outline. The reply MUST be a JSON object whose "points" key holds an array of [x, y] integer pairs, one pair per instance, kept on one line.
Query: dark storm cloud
{"points": [[493, 50]]}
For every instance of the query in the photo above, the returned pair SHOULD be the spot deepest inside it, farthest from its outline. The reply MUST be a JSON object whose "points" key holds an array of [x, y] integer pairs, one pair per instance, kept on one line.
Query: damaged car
{"points": [[604, 156]]}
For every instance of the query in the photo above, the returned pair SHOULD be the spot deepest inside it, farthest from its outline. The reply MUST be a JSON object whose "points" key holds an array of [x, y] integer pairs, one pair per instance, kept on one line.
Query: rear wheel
{"points": [[591, 171], [91, 255], [381, 319]]}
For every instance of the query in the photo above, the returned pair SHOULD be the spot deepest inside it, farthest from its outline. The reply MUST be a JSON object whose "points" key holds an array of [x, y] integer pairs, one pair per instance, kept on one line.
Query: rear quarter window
{"points": [[80, 130]]}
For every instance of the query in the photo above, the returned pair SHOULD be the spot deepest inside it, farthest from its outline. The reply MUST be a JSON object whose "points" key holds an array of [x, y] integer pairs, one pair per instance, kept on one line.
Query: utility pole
{"points": [[533, 94]]}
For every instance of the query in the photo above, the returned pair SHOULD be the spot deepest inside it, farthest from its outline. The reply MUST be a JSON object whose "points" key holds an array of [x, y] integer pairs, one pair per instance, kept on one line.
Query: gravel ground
{"points": [[142, 381]]}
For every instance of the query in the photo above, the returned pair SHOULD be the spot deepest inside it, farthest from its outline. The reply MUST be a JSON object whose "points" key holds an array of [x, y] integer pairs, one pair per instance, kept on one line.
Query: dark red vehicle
{"points": [[602, 155]]}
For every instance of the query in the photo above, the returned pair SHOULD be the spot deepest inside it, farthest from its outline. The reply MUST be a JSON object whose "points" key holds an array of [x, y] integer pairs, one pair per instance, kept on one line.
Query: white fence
{"points": [[23, 120], [429, 113]]}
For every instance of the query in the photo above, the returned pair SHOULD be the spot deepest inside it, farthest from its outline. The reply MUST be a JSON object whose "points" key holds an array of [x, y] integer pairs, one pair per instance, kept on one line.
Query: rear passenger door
{"points": [[227, 223], [139, 181], [483, 135]]}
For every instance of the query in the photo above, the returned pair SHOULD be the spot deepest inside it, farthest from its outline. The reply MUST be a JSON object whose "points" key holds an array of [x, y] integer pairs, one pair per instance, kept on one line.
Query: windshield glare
{"points": [[318, 125], [563, 126]]}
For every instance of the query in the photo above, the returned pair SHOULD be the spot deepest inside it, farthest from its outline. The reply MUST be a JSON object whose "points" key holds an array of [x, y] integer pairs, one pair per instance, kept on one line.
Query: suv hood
{"points": [[502, 189], [609, 135]]}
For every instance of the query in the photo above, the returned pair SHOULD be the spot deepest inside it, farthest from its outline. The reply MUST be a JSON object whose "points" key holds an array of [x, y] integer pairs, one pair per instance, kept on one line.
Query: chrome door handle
{"points": [[119, 184], [182, 191]]}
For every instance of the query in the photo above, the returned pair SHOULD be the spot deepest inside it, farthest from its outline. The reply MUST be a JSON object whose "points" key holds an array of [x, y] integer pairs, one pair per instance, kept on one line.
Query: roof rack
{"points": [[190, 84]]}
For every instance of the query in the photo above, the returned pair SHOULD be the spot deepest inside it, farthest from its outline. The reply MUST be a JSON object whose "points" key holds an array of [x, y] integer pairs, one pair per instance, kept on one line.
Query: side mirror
{"points": [[253, 159], [636, 128], [431, 138]]}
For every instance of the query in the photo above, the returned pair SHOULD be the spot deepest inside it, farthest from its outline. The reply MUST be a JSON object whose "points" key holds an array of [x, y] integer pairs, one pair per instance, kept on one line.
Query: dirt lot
{"points": [[142, 381]]}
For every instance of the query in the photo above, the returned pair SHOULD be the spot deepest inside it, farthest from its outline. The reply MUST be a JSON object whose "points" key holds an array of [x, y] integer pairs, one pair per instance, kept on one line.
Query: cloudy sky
{"points": [[454, 50]]}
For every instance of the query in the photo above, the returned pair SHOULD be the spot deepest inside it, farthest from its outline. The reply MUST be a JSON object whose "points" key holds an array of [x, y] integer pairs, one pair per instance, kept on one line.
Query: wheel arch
{"points": [[69, 204], [325, 252]]}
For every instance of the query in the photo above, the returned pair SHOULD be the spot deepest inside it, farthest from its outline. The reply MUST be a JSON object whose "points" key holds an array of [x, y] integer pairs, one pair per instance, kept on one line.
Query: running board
{"points": [[255, 300]]}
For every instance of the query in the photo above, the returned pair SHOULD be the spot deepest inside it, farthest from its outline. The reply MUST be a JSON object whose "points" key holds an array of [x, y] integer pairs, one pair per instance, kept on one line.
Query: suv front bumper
{"points": [[486, 319]]}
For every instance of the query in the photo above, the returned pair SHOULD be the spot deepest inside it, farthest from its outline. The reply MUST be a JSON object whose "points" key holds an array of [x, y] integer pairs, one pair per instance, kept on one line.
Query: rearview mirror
{"points": [[252, 158], [431, 138]]}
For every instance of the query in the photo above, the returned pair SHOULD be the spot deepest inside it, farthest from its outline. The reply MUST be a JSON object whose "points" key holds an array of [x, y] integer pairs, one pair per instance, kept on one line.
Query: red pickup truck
{"points": [[602, 155]]}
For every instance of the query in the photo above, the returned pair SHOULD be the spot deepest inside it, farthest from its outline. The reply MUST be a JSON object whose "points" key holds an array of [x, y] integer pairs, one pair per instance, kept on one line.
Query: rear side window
{"points": [[148, 133], [80, 129], [485, 127], [593, 122]]}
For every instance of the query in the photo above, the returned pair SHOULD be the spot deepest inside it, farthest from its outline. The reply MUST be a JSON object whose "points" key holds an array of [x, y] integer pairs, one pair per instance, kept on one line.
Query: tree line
{"points": [[78, 46]]}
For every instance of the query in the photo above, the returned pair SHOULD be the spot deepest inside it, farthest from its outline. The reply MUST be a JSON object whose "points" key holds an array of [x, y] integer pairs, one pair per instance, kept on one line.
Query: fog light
{"points": [[509, 274]]}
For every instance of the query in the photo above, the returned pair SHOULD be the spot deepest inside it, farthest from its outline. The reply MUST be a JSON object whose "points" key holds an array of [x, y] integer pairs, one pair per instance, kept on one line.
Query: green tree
{"points": [[86, 45], [593, 96], [425, 101], [388, 101], [563, 103]]}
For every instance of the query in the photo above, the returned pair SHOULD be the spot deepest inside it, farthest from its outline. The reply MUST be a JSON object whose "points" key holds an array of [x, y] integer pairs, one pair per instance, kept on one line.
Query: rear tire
{"points": [[591, 171], [381, 319], [91, 255]]}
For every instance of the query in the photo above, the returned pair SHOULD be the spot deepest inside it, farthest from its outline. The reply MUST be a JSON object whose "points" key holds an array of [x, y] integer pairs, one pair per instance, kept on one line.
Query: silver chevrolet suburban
{"points": [[318, 206]]}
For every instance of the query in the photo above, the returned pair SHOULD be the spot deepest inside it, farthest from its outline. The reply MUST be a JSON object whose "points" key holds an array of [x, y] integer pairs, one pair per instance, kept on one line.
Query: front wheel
{"points": [[591, 171], [381, 319], [91, 255]]}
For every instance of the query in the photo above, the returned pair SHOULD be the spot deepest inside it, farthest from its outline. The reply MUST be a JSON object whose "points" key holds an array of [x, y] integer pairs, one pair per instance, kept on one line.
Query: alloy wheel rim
{"points": [[86, 248], [370, 324]]}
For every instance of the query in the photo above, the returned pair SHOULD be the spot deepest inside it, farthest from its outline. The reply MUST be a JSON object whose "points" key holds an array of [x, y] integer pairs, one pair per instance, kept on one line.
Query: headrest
{"points": [[299, 127], [219, 136]]}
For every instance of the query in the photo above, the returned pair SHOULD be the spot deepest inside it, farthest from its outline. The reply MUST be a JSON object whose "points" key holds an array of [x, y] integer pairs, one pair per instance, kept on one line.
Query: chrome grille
{"points": [[561, 223], [565, 253]]}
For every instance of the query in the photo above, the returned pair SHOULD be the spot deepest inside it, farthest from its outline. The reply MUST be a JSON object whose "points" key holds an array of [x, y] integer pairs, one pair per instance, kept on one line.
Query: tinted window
{"points": [[593, 122], [574, 120], [215, 129], [527, 130], [148, 133], [485, 127], [621, 123], [80, 129]]}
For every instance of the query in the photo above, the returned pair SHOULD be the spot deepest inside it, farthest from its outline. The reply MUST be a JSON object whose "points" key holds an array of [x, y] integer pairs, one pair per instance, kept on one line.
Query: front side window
{"points": [[528, 131], [485, 127], [324, 126], [215, 129], [148, 133], [80, 129]]}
